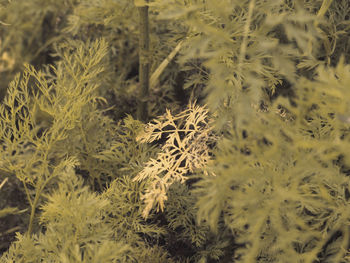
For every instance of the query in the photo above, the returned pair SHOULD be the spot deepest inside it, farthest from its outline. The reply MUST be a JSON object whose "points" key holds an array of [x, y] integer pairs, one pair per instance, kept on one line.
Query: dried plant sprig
{"points": [[186, 149]]}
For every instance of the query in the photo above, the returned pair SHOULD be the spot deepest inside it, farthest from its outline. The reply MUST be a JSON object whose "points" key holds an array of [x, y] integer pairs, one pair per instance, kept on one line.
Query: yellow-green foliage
{"points": [[57, 128], [113, 20], [117, 22], [74, 229], [280, 191], [32, 126], [255, 171], [188, 135], [27, 30]]}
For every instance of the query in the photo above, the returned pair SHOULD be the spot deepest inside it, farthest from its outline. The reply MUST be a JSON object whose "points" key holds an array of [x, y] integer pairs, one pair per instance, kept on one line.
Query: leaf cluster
{"points": [[187, 138]]}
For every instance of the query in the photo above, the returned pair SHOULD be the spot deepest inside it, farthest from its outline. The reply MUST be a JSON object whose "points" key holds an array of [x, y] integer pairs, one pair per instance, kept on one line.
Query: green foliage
{"points": [[126, 221], [29, 145], [81, 226], [283, 187], [23, 26], [244, 46], [76, 214], [27, 31], [117, 22], [255, 171], [180, 211]]}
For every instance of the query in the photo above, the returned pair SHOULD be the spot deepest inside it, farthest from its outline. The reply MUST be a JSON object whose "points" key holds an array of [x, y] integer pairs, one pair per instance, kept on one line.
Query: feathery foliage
{"points": [[188, 135], [245, 158]]}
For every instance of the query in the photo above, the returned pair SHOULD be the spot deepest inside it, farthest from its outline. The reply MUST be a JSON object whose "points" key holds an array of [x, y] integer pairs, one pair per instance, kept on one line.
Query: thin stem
{"points": [[40, 186], [144, 64], [245, 35], [32, 212]]}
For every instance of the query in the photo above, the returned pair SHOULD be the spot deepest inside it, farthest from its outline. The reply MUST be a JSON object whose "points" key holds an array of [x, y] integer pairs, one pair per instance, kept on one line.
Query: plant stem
{"points": [[144, 64]]}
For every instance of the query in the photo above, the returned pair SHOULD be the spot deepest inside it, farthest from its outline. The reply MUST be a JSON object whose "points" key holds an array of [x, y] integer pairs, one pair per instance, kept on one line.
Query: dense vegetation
{"points": [[174, 131]]}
